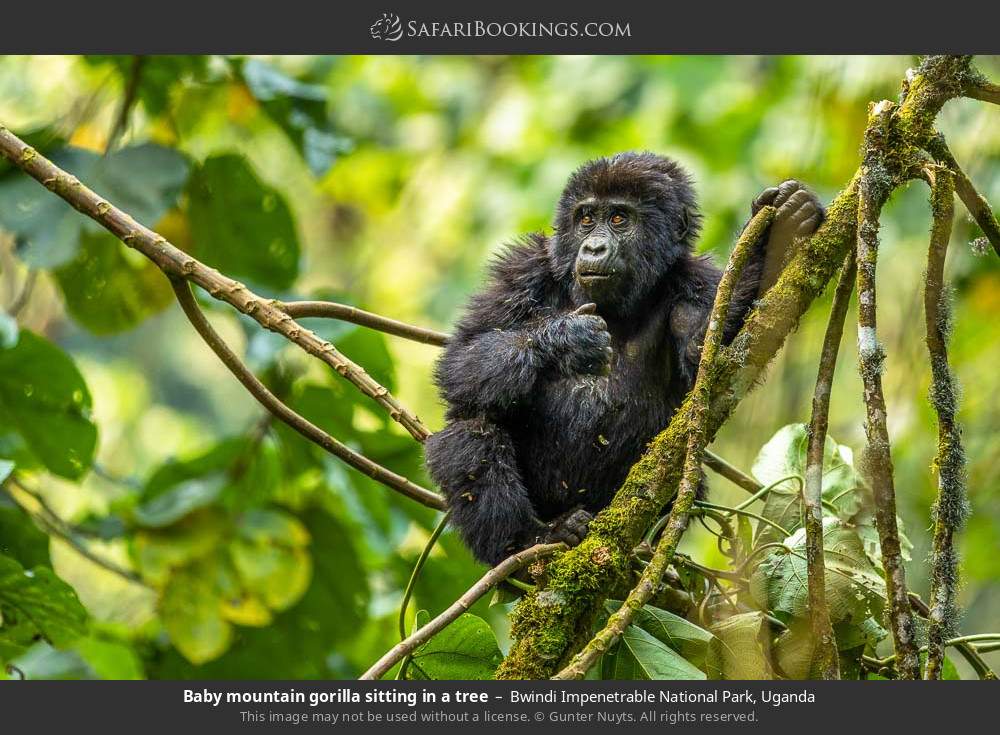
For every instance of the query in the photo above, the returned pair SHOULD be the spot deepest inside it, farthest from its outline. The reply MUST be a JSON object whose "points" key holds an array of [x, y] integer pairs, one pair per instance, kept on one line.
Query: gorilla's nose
{"points": [[595, 247]]}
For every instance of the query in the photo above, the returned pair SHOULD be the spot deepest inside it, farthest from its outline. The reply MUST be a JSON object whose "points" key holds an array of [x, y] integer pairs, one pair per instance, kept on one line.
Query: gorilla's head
{"points": [[620, 224]]}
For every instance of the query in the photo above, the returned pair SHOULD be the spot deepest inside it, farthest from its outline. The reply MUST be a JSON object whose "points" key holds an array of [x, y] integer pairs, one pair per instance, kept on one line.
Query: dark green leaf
{"points": [[20, 537], [241, 225], [640, 656], [44, 399], [108, 288], [36, 602], [683, 636], [466, 649]]}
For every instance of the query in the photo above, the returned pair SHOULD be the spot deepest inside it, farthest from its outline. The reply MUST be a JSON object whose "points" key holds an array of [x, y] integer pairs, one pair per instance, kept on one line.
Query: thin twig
{"points": [[825, 652], [299, 423], [487, 582], [735, 475], [974, 202], [175, 262], [984, 91], [951, 508], [872, 194], [56, 526], [691, 477], [411, 585], [343, 312]]}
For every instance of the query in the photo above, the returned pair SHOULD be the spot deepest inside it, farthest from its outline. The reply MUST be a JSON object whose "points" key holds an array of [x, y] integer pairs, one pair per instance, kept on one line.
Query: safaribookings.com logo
{"points": [[390, 28]]}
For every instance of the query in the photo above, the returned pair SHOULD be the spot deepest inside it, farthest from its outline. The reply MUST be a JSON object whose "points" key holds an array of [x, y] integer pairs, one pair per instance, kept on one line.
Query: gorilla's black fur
{"points": [[581, 347]]}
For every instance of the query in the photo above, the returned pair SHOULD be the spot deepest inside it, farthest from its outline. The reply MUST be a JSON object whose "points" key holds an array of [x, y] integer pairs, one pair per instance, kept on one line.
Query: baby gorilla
{"points": [[581, 347]]}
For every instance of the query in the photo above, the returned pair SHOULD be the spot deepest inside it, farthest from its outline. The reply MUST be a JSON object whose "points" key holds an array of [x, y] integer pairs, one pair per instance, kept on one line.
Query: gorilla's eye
{"points": [[587, 220], [618, 219]]}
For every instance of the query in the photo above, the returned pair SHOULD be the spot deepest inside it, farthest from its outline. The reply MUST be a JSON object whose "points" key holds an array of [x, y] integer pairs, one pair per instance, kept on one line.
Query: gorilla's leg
{"points": [[474, 464]]}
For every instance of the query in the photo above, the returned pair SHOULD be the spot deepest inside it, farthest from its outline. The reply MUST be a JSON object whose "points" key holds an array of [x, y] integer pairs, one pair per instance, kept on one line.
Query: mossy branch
{"points": [[952, 506], [825, 643], [877, 181], [974, 202], [677, 521]]}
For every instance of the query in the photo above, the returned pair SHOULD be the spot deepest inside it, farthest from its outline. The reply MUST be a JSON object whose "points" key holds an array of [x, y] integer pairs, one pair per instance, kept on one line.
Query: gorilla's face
{"points": [[606, 233], [621, 223]]}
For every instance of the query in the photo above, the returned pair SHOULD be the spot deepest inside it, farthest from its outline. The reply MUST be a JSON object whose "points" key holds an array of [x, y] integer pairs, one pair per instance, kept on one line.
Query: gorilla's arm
{"points": [[513, 334], [799, 215]]}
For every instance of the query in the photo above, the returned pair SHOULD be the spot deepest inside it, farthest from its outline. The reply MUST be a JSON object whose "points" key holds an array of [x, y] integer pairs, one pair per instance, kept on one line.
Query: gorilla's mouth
{"points": [[593, 277]]}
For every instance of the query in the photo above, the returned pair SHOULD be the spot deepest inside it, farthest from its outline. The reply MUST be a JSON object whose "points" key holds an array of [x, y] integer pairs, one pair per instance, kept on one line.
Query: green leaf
{"points": [[191, 611], [44, 399], [741, 646], [108, 288], [109, 659], [240, 225], [640, 656], [854, 588], [34, 603], [300, 110], [143, 180], [270, 559], [300, 642], [785, 455], [466, 649], [683, 636], [20, 538]]}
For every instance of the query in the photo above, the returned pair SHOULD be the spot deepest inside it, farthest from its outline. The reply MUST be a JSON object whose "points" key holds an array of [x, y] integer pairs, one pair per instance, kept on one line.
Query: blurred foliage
{"points": [[387, 182]]}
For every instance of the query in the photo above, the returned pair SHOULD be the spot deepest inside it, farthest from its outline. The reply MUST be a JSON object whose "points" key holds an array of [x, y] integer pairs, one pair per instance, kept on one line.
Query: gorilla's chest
{"points": [[584, 432]]}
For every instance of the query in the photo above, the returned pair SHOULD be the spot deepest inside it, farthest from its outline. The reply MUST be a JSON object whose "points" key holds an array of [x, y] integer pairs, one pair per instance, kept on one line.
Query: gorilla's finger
{"points": [[763, 199], [785, 190], [587, 309], [810, 224]]}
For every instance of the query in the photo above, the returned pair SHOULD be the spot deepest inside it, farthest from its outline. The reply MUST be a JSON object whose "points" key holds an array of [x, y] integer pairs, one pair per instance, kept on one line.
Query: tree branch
{"points": [[951, 509], [874, 190], [980, 89], [488, 581], [974, 202], [734, 474], [825, 651], [299, 423], [332, 310], [175, 262], [677, 520]]}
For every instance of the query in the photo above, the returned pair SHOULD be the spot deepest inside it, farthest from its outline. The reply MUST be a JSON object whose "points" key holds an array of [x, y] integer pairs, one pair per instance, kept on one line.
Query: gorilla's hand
{"points": [[799, 215], [578, 342], [570, 528]]}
